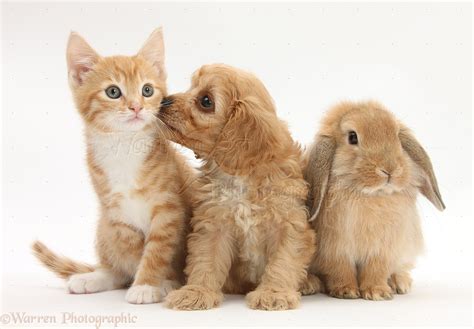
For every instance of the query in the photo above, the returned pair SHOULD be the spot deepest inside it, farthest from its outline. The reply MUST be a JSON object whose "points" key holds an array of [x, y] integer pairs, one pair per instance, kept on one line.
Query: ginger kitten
{"points": [[140, 179]]}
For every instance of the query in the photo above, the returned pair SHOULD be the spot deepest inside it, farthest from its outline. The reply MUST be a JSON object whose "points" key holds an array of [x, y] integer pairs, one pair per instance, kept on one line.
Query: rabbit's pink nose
{"points": [[135, 107], [384, 173]]}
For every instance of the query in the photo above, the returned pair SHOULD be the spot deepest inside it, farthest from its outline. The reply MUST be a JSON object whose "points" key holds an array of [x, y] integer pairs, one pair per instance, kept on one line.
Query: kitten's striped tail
{"points": [[60, 265]]}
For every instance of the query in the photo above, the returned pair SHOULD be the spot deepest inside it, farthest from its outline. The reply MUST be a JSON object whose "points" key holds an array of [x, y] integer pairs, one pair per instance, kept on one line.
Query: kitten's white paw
{"points": [[88, 283], [143, 294]]}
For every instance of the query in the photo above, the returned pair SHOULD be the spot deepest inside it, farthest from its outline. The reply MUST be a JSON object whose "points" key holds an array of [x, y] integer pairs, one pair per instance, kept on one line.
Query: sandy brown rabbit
{"points": [[365, 170]]}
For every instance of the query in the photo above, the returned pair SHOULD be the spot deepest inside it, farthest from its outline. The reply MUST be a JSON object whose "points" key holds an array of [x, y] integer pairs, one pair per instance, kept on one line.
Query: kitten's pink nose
{"points": [[135, 107]]}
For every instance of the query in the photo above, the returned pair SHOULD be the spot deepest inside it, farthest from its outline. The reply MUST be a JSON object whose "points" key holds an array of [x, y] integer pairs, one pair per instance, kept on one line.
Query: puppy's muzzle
{"points": [[166, 102], [165, 106]]}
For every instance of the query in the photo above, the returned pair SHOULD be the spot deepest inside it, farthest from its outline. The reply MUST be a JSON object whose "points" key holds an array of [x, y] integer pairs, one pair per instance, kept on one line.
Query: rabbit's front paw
{"points": [[345, 292], [400, 283], [377, 293]]}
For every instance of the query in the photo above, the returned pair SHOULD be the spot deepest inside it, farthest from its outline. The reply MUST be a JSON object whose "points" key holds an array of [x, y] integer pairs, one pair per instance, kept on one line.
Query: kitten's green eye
{"points": [[113, 92], [147, 90]]}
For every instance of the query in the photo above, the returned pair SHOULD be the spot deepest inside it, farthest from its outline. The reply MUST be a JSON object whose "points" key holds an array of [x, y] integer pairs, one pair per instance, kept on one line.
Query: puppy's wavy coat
{"points": [[250, 233]]}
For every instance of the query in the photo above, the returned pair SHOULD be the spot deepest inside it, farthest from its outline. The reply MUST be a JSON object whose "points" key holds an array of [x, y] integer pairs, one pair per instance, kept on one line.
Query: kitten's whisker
{"points": [[164, 128]]}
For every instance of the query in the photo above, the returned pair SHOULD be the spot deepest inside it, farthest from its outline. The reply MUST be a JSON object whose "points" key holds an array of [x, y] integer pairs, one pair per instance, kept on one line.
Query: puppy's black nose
{"points": [[167, 101]]}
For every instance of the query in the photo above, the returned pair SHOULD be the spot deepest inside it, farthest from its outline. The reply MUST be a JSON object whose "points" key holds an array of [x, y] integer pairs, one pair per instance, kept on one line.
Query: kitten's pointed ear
{"points": [[154, 51], [81, 58]]}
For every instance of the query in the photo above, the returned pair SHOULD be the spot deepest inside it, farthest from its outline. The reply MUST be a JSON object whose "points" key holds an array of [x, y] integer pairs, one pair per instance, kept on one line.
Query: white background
{"points": [[415, 58]]}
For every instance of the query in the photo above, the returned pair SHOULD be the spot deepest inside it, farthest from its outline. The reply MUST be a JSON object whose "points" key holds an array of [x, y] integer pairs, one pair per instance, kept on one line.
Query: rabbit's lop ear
{"points": [[429, 187], [317, 172]]}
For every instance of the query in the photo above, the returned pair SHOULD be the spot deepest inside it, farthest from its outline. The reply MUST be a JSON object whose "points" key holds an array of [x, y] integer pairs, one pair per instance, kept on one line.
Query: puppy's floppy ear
{"points": [[251, 135], [317, 172], [429, 187]]}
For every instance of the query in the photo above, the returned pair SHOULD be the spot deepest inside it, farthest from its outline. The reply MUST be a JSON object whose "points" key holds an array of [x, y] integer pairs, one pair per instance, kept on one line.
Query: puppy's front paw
{"points": [[311, 285], [265, 299], [143, 294], [193, 297], [377, 293], [345, 292]]}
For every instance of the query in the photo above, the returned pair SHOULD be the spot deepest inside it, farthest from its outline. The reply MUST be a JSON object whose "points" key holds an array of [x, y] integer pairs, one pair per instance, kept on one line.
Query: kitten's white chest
{"points": [[121, 157]]}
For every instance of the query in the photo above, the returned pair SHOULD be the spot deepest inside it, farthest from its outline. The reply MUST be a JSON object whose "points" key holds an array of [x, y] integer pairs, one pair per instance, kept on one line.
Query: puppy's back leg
{"points": [[311, 285]]}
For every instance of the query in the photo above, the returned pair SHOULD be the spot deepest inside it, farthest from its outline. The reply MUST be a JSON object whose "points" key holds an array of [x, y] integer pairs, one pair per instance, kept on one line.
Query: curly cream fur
{"points": [[249, 227]]}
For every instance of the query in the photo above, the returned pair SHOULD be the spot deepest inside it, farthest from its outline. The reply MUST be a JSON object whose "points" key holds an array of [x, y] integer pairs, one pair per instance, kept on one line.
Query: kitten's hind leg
{"points": [[102, 279]]}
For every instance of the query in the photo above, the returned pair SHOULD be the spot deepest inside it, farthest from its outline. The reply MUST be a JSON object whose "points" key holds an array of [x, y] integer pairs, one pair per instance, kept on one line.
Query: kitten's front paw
{"points": [[311, 285], [193, 297], [345, 292], [143, 294], [377, 293], [269, 300]]}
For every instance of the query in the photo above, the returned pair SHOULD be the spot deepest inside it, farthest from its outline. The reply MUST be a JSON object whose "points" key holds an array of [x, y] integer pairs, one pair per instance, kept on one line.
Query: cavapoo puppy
{"points": [[250, 230], [365, 170]]}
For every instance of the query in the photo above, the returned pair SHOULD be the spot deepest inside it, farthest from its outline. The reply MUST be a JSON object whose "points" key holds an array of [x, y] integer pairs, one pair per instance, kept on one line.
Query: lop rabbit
{"points": [[365, 169]]}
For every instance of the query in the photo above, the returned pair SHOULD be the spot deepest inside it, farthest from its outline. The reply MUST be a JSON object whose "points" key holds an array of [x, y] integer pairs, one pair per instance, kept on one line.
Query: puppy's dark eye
{"points": [[113, 92], [206, 102], [147, 90], [352, 138]]}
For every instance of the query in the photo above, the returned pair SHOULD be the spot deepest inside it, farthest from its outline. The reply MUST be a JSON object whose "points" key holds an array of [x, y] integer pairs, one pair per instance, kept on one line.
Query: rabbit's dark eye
{"points": [[113, 92], [352, 138], [206, 103]]}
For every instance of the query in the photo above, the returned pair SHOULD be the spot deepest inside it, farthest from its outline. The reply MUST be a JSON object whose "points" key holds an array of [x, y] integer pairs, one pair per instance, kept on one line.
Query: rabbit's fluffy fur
{"points": [[363, 199], [250, 231]]}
